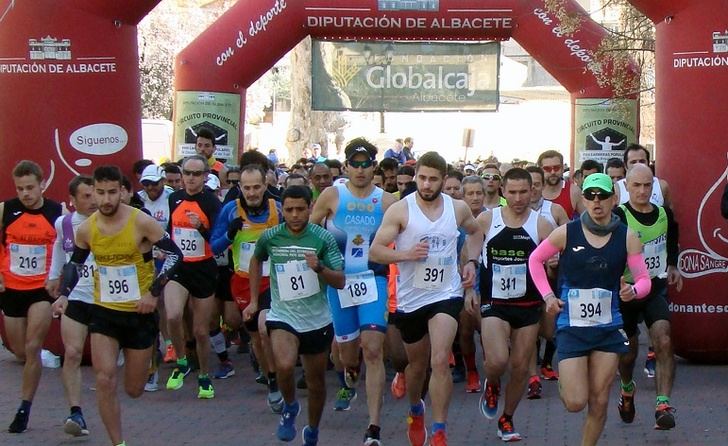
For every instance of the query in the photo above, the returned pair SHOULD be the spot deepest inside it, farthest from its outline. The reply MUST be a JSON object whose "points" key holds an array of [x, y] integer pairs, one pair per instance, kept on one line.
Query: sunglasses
{"points": [[147, 183], [551, 169], [360, 164], [194, 173], [592, 195], [491, 176]]}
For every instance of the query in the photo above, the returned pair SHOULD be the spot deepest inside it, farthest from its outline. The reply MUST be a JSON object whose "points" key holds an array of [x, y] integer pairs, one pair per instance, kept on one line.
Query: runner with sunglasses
{"points": [[193, 211], [492, 180], [353, 212], [594, 252], [562, 192]]}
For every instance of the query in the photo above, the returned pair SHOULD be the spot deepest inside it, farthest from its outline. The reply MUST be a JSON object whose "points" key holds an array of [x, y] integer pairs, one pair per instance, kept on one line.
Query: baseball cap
{"points": [[213, 182], [152, 173], [469, 167], [351, 152], [316, 146], [598, 181]]}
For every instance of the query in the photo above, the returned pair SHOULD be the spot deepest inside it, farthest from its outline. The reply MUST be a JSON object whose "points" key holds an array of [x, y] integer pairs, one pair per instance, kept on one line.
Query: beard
{"points": [[434, 196], [109, 213], [553, 180]]}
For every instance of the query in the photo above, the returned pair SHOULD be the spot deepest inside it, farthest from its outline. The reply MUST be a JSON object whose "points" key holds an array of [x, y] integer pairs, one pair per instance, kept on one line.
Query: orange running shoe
{"points": [[473, 384], [170, 355], [399, 386]]}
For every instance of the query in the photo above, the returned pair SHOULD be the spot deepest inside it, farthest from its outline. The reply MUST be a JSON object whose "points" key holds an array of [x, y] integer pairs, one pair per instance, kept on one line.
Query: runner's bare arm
{"points": [[323, 206], [559, 214], [575, 194], [379, 251], [473, 241]]}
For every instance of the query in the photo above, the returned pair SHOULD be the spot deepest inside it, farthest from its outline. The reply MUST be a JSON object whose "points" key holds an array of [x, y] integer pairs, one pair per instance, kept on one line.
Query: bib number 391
{"points": [[296, 280], [360, 289], [433, 274]]}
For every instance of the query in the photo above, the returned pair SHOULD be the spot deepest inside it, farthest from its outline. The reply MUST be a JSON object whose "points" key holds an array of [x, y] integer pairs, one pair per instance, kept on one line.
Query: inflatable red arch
{"points": [[70, 95]]}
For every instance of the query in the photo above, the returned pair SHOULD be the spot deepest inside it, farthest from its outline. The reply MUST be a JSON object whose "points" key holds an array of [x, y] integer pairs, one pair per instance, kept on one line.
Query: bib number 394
{"points": [[296, 280], [590, 308], [118, 284], [27, 260], [360, 289], [433, 274]]}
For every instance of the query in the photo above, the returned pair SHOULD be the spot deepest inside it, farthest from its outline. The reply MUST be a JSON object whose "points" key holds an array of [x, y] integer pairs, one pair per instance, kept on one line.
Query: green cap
{"points": [[598, 181]]}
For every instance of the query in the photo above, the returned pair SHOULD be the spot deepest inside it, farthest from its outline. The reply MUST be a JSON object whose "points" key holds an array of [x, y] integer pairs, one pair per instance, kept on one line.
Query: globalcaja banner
{"points": [[405, 76], [219, 112], [603, 128]]}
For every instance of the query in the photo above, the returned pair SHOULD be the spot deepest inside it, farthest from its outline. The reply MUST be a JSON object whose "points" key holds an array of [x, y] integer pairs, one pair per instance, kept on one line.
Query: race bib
{"points": [[590, 308], [118, 284], [656, 259], [222, 258], [246, 253], [296, 280], [509, 281], [27, 260], [86, 273], [360, 289], [434, 273], [190, 242]]}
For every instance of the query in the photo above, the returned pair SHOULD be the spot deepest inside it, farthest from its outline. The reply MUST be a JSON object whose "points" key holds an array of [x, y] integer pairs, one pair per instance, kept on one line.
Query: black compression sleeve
{"points": [[70, 274], [172, 261]]}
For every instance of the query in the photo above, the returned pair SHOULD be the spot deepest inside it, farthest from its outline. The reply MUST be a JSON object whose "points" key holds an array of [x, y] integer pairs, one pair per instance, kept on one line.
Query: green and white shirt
{"points": [[298, 294]]}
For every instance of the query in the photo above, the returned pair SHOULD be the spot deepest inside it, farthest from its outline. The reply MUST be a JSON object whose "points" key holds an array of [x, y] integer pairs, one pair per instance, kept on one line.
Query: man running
{"points": [[492, 182], [424, 228], [193, 211], [658, 231], [353, 212], [205, 147], [511, 307], [240, 224], [76, 308], [28, 235], [125, 291], [594, 252], [304, 259]]}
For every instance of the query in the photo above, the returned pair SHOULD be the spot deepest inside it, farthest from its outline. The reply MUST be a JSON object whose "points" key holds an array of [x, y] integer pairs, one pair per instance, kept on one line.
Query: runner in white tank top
{"points": [[424, 227]]}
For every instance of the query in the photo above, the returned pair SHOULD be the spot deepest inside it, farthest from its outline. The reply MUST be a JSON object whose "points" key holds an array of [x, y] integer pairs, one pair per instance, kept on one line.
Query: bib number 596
{"points": [[118, 286]]}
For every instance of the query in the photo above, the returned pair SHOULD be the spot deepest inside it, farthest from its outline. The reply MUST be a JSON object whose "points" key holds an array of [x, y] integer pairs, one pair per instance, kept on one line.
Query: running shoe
{"points": [[534, 388], [626, 405], [224, 370], [351, 377], [20, 423], [458, 374], [650, 365], [506, 431], [152, 384], [473, 384], [489, 400], [75, 425], [399, 386], [170, 355], [439, 438], [177, 378], [549, 374], [261, 379], [310, 438], [416, 432], [664, 417], [287, 426], [205, 390], [371, 437], [344, 397], [275, 401]]}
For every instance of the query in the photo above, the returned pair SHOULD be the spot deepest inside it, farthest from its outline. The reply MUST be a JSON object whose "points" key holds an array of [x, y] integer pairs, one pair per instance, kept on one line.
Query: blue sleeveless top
{"points": [[589, 277], [354, 224]]}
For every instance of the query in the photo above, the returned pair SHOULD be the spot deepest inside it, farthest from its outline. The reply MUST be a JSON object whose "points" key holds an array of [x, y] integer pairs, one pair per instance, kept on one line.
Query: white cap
{"points": [[469, 167], [316, 146], [152, 173], [213, 182]]}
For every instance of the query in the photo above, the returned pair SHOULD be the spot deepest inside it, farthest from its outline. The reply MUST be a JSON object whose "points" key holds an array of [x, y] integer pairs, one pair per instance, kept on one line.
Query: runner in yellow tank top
{"points": [[125, 291]]}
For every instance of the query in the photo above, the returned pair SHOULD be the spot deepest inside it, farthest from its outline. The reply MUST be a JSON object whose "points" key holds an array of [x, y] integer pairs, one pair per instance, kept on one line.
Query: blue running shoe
{"points": [[75, 425], [489, 400], [287, 426], [310, 437]]}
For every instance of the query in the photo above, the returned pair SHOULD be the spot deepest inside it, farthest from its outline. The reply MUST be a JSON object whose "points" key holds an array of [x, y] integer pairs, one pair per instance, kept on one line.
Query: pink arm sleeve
{"points": [[538, 257], [642, 282]]}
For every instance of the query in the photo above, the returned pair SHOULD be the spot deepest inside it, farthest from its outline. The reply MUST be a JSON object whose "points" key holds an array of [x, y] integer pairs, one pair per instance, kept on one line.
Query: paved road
{"points": [[239, 415]]}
